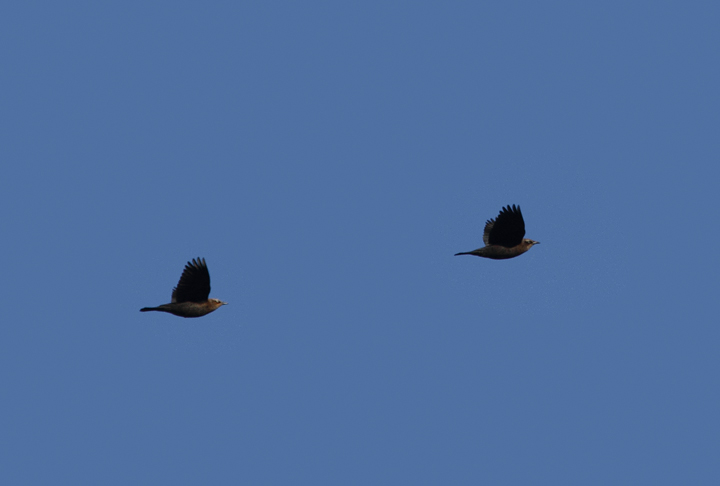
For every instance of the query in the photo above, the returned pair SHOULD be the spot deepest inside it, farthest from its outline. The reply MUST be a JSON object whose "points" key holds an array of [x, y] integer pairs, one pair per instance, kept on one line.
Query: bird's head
{"points": [[216, 303], [529, 243]]}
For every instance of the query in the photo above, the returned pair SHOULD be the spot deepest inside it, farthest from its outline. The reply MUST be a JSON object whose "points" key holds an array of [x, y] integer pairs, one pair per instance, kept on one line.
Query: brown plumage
{"points": [[190, 297], [503, 237]]}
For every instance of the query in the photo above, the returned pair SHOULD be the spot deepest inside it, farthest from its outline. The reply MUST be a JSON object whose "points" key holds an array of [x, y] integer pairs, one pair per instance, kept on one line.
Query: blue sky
{"points": [[328, 159]]}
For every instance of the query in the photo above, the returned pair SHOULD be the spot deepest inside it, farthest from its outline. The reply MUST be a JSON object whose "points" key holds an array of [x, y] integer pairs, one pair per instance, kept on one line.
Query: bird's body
{"points": [[498, 252], [187, 309], [190, 297], [503, 236]]}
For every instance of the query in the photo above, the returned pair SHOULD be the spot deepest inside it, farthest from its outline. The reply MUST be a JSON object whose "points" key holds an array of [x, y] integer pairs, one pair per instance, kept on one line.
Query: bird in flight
{"points": [[504, 236], [190, 297]]}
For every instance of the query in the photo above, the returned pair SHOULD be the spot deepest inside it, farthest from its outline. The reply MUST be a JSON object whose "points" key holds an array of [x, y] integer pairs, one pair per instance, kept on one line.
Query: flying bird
{"points": [[503, 237], [190, 297]]}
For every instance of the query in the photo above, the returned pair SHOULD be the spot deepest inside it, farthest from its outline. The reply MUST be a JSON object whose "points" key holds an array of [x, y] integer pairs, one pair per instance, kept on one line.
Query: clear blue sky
{"points": [[328, 159]]}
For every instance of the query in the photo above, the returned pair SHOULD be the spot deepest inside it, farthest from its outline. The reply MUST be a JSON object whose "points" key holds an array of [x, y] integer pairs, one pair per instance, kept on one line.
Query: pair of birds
{"points": [[504, 237]]}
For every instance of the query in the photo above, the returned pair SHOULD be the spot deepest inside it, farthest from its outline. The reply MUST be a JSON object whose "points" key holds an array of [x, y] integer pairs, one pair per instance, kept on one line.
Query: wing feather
{"points": [[194, 284], [507, 230]]}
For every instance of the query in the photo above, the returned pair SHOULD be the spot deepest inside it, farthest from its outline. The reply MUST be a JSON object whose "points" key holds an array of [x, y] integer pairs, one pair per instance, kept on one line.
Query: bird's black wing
{"points": [[194, 284], [507, 230]]}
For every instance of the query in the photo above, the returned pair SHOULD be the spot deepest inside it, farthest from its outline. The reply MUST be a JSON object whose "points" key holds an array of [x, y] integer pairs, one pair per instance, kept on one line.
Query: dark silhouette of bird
{"points": [[190, 297], [503, 237]]}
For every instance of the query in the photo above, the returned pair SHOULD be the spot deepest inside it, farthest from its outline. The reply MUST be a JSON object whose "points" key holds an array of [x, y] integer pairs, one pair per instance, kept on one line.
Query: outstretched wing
{"points": [[507, 230], [194, 284]]}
